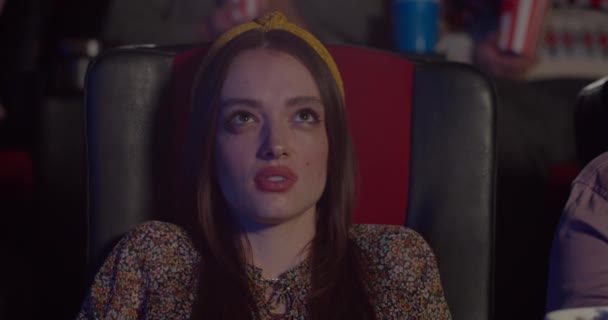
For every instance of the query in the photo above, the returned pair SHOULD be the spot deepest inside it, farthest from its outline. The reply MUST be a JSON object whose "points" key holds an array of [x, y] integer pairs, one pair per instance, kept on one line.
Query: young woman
{"points": [[271, 180]]}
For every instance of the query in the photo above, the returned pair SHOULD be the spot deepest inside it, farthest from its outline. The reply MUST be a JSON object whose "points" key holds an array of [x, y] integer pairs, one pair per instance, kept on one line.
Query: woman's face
{"points": [[271, 147]]}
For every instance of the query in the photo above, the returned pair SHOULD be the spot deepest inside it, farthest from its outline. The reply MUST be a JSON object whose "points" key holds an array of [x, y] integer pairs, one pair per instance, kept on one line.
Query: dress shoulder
{"points": [[158, 242], [385, 244], [400, 271], [152, 269]]}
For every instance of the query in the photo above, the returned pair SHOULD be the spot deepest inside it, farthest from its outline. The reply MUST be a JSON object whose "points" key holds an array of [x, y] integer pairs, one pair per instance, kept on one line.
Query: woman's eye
{"points": [[241, 118], [306, 116]]}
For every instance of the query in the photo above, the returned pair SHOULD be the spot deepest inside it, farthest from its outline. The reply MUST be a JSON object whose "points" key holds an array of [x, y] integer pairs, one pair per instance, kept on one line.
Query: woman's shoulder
{"points": [[153, 254], [390, 244], [400, 268], [595, 175], [155, 261], [158, 232], [160, 242], [155, 230], [389, 250]]}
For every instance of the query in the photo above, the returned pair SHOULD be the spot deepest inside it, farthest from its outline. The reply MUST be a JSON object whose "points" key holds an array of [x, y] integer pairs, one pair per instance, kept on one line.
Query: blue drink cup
{"points": [[416, 24]]}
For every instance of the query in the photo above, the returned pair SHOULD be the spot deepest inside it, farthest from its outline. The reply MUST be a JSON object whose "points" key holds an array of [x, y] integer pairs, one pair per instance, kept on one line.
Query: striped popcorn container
{"points": [[245, 10], [521, 24]]}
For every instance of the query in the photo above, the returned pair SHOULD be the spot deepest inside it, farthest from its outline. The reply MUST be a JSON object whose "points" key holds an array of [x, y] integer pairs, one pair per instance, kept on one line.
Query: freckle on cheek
{"points": [[308, 164]]}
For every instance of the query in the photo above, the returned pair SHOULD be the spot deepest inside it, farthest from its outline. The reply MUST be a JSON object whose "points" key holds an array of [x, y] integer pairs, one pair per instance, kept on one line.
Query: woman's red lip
{"points": [[264, 183]]}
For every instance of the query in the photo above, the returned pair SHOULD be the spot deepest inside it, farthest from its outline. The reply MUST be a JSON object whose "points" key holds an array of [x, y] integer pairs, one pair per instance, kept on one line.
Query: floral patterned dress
{"points": [[152, 274]]}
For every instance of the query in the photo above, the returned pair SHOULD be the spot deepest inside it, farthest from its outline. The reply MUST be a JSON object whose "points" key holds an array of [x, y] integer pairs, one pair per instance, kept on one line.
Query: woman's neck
{"points": [[279, 247]]}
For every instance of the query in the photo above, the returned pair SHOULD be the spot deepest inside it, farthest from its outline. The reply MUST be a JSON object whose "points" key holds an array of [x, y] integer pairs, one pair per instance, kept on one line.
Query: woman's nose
{"points": [[275, 143]]}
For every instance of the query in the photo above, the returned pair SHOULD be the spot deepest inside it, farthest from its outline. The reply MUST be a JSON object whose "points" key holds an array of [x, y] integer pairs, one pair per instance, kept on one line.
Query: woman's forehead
{"points": [[261, 59], [262, 73]]}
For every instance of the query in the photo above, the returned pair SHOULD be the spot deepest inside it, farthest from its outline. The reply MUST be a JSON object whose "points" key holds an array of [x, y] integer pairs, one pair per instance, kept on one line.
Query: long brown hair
{"points": [[337, 290]]}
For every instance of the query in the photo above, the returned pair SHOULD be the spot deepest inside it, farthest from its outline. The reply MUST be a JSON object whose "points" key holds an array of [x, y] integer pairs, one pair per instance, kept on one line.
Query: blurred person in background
{"points": [[173, 22], [480, 19], [578, 274]]}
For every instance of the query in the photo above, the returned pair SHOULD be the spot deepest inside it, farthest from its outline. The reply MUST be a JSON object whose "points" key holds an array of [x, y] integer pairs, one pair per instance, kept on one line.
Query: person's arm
{"points": [[492, 60], [578, 274], [229, 14], [481, 21], [341, 21]]}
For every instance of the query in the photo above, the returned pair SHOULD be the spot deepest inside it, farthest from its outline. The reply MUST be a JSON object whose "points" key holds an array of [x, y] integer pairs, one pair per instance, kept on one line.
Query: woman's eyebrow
{"points": [[227, 102], [303, 100]]}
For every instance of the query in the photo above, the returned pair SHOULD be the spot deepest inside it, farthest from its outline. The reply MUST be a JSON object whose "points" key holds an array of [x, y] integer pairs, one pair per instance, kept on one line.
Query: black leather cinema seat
{"points": [[429, 126]]}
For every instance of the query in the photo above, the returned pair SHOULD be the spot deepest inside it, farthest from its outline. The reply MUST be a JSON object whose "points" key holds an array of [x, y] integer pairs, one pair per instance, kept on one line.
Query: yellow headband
{"points": [[277, 21]]}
